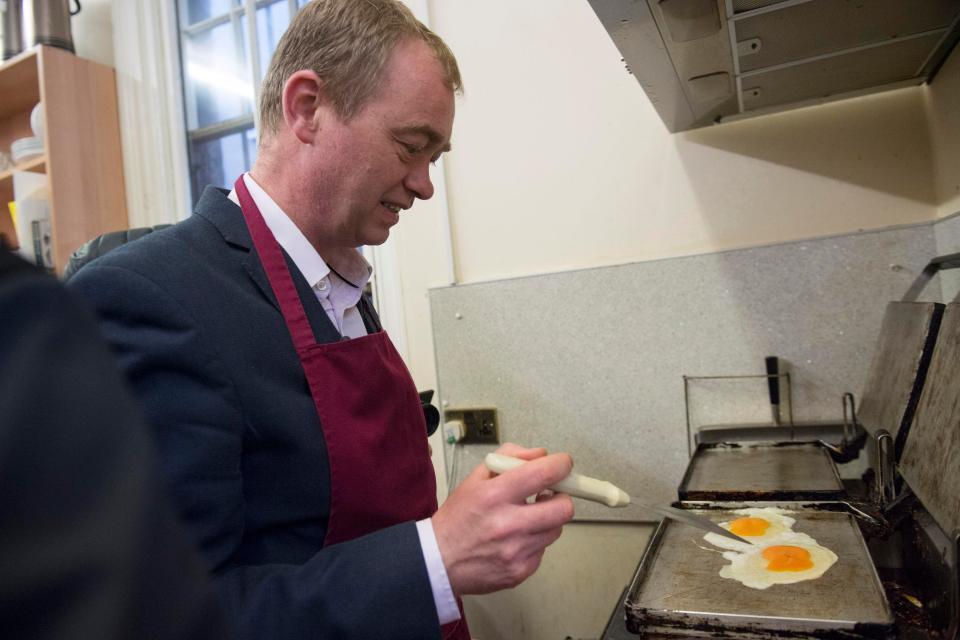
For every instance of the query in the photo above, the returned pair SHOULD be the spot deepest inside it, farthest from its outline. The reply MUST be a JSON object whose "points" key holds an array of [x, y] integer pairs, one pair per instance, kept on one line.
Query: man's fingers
{"points": [[515, 450], [508, 449], [533, 477], [549, 537], [546, 514], [539, 543], [479, 473]]}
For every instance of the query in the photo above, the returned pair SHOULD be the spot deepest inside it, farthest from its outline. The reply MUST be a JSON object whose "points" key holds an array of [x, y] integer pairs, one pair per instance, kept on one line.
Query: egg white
{"points": [[750, 568], [747, 564]]}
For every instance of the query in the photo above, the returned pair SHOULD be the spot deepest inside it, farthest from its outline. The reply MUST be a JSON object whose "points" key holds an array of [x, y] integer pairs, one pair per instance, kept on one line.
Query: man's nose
{"points": [[418, 181]]}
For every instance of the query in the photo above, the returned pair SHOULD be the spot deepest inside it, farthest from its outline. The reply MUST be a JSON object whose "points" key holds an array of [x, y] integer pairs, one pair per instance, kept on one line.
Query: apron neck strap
{"points": [[275, 266]]}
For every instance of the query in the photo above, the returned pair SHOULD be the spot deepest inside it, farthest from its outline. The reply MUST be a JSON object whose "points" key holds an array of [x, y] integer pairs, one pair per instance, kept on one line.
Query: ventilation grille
{"points": [[742, 6], [827, 26], [840, 74]]}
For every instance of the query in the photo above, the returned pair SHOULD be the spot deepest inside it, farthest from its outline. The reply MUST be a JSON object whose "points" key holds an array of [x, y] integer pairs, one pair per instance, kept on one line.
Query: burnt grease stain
{"points": [[652, 625], [760, 496]]}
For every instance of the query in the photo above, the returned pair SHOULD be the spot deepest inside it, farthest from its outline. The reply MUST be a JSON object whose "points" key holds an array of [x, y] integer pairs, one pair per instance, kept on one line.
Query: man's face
{"points": [[378, 162]]}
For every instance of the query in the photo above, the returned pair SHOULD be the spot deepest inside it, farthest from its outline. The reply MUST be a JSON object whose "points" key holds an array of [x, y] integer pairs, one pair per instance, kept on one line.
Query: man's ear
{"points": [[303, 104]]}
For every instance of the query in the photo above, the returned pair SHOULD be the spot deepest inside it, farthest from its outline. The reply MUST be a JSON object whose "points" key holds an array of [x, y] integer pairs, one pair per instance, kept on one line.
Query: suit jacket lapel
{"points": [[226, 216]]}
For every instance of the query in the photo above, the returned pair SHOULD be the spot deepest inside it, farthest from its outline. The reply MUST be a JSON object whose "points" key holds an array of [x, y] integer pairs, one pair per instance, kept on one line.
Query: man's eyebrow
{"points": [[433, 138]]}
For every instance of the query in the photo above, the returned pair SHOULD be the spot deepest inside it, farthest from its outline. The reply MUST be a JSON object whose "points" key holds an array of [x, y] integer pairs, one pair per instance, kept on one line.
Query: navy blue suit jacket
{"points": [[89, 544], [192, 319]]}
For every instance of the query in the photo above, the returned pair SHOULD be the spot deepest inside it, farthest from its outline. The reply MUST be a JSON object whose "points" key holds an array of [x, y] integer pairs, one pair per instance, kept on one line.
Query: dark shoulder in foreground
{"points": [[12, 266], [89, 544]]}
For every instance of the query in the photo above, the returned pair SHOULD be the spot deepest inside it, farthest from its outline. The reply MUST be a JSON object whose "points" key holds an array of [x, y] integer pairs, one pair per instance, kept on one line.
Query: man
{"points": [[89, 546], [290, 429]]}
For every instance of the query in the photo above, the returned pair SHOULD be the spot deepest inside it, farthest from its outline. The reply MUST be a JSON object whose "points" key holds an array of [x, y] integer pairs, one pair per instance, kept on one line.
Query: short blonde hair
{"points": [[348, 44]]}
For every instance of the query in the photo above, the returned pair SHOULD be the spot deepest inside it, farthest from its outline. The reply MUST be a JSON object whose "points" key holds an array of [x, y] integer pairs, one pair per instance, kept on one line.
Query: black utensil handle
{"points": [[773, 381]]}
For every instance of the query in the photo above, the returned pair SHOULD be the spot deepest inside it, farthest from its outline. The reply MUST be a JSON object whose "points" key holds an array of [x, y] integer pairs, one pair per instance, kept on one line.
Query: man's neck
{"points": [[285, 188]]}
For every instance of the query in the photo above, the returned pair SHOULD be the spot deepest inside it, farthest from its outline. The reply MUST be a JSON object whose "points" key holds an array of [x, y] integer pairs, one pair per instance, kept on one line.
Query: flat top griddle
{"points": [[678, 591], [762, 471], [929, 462], [899, 367]]}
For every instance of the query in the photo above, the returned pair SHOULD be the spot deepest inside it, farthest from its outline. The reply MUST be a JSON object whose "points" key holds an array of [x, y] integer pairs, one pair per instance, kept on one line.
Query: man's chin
{"points": [[376, 238]]}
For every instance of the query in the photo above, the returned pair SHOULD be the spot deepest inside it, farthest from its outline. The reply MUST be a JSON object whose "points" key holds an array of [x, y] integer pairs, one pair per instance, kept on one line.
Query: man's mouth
{"points": [[396, 208]]}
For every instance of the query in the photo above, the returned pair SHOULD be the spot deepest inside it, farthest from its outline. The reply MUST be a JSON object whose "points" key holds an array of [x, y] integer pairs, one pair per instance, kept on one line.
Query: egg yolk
{"points": [[749, 526], [787, 558]]}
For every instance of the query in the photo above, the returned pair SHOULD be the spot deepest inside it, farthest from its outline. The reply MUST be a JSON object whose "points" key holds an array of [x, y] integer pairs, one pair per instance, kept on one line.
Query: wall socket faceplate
{"points": [[479, 425]]}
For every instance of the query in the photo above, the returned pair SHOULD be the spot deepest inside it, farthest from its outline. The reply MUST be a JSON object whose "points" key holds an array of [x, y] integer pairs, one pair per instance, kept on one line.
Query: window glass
{"points": [[250, 139], [217, 83], [199, 10], [219, 161], [272, 21], [217, 54]]}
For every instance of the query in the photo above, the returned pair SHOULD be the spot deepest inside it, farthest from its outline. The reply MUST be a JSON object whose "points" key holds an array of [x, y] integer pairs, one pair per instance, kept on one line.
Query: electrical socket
{"points": [[480, 425]]}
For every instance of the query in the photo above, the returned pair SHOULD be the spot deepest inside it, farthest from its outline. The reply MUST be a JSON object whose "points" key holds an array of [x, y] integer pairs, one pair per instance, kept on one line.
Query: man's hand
{"points": [[490, 538]]}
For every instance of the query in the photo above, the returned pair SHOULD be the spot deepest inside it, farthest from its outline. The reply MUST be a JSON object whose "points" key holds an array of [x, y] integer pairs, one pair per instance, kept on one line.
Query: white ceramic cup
{"points": [[36, 120]]}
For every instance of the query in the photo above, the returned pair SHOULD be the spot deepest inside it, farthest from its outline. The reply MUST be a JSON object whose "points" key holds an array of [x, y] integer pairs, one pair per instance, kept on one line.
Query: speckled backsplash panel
{"points": [[592, 361], [948, 241]]}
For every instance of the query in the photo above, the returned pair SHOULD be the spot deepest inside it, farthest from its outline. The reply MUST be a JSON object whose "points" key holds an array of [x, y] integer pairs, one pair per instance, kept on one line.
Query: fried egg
{"points": [[777, 554], [786, 563], [757, 525]]}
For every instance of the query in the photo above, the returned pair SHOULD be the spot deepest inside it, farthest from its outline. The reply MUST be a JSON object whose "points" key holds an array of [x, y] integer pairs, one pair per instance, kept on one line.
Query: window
{"points": [[223, 62]]}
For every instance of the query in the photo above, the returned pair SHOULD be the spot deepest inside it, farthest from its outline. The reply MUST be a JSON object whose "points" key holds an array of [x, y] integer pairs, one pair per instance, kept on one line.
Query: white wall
{"points": [[943, 102], [560, 161], [93, 32]]}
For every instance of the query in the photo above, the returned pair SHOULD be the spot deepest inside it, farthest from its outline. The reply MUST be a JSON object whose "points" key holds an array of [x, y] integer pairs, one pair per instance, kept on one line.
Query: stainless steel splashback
{"points": [[929, 462], [706, 61]]}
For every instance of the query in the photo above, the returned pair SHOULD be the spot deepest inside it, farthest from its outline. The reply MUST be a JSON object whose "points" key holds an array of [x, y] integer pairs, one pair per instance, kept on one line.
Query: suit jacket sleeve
{"points": [[89, 544], [372, 587]]}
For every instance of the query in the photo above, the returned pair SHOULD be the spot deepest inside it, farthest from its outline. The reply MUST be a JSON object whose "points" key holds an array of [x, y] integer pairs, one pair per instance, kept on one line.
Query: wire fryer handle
{"points": [[940, 263]]}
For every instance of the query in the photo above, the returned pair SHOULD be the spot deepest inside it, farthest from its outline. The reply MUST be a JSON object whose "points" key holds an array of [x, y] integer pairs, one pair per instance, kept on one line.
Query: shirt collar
{"points": [[350, 265]]}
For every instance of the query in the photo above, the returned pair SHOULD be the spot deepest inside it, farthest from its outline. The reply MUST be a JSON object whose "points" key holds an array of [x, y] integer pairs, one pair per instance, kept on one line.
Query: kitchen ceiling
{"points": [[708, 61]]}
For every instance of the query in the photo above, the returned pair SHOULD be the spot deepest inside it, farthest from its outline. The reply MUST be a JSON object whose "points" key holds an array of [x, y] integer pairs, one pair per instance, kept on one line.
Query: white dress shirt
{"points": [[339, 291]]}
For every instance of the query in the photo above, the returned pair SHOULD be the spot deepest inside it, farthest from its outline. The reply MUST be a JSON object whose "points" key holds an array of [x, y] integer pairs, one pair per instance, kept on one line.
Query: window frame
{"points": [[247, 46]]}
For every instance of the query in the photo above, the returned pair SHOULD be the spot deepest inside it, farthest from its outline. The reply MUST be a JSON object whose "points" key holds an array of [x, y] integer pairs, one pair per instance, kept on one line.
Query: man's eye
{"points": [[412, 149]]}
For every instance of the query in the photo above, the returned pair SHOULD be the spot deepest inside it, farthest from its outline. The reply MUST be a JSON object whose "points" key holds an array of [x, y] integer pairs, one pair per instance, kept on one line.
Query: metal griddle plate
{"points": [[678, 591], [929, 462], [761, 472], [899, 366]]}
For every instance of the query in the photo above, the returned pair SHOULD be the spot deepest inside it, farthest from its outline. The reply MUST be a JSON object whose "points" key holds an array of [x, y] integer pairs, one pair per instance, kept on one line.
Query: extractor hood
{"points": [[708, 61]]}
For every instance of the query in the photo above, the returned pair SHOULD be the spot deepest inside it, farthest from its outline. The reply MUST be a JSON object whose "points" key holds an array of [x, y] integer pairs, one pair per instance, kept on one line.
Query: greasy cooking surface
{"points": [[898, 368], [929, 462], [678, 588], [742, 472]]}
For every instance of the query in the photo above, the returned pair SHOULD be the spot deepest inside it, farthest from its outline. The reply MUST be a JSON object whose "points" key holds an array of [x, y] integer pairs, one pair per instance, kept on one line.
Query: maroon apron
{"points": [[369, 410]]}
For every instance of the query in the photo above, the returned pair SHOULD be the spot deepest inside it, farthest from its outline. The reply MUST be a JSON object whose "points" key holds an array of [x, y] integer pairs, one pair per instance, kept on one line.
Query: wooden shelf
{"points": [[19, 83], [20, 88], [82, 160], [37, 165], [8, 235]]}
